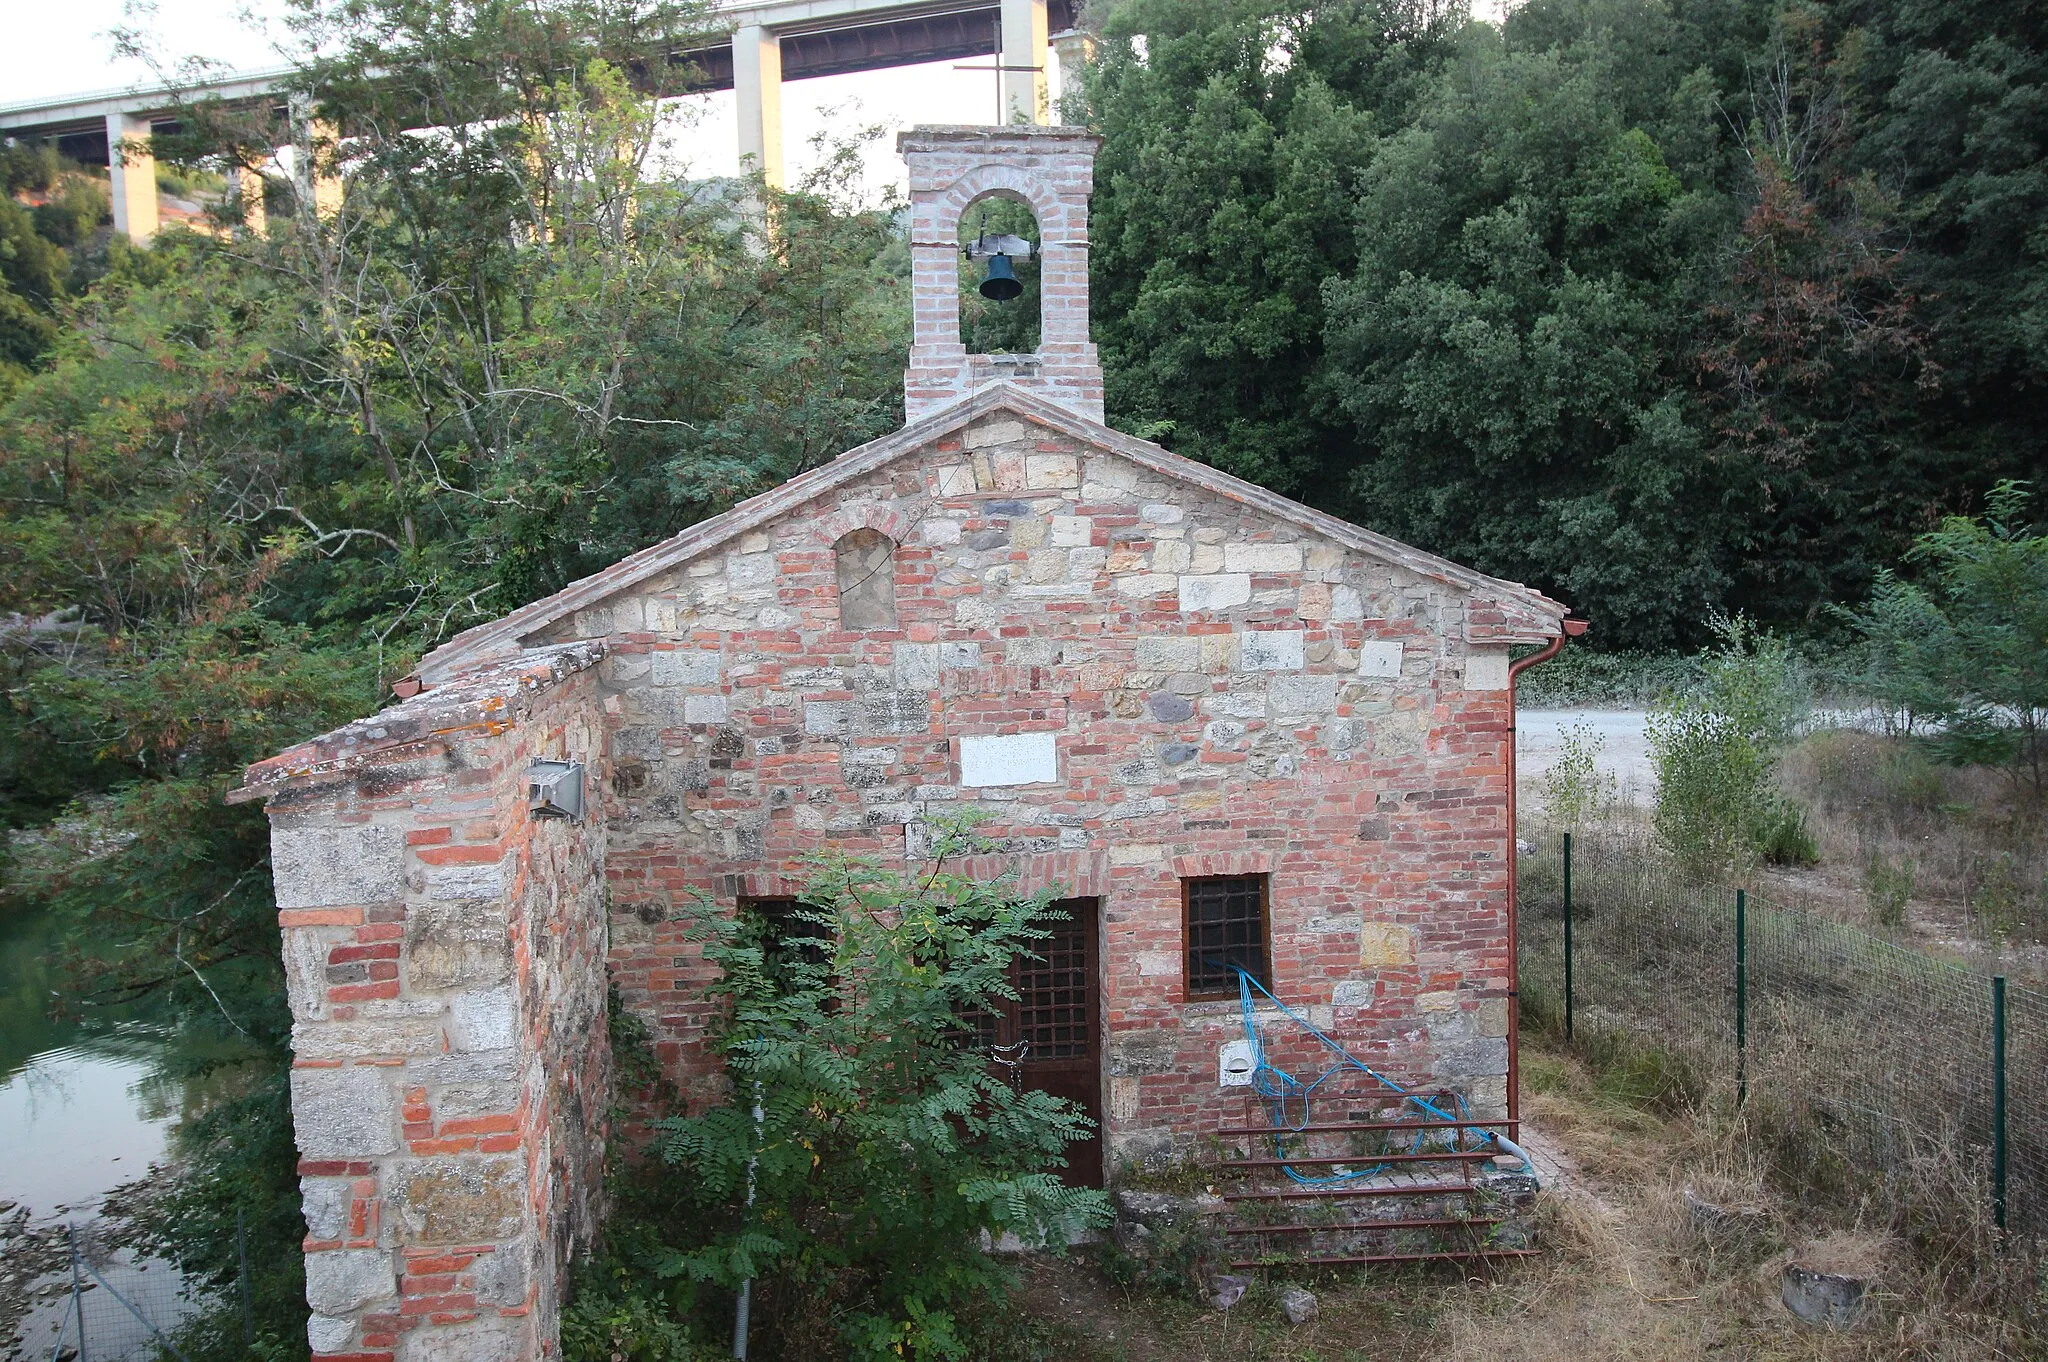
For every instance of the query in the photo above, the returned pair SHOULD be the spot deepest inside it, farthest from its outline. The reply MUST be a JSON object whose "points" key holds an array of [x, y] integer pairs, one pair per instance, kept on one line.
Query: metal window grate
{"points": [[786, 933], [1052, 1014], [1226, 926]]}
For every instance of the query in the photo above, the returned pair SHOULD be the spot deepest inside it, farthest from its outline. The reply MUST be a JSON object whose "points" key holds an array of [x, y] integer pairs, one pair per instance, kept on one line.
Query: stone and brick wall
{"points": [[1182, 684], [451, 1075]]}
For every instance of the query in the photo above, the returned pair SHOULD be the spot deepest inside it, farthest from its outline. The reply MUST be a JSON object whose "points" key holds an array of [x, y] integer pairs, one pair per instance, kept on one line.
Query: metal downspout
{"points": [[1572, 629]]}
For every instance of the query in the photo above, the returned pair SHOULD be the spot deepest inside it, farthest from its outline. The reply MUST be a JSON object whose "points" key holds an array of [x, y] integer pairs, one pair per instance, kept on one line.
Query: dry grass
{"points": [[1629, 1277], [1955, 859]]}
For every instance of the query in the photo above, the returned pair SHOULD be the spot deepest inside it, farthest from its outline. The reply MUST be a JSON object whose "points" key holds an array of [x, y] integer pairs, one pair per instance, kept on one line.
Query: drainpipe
{"points": [[1572, 629]]}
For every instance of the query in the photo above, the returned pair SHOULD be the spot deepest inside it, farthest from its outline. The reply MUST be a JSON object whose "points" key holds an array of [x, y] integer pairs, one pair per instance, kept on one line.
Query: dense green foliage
{"points": [[1966, 647], [1661, 308], [866, 1144]]}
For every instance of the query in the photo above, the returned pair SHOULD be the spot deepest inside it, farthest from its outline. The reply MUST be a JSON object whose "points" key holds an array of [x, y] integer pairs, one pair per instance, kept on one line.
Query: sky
{"points": [[68, 48]]}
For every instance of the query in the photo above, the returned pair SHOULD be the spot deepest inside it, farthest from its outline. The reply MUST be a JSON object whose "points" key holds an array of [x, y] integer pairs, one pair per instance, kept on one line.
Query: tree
{"points": [[1966, 645], [867, 1143], [1504, 344], [1222, 204]]}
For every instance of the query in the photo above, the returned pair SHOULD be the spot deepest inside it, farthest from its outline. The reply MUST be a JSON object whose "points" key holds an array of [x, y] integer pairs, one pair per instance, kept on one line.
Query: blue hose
{"points": [[1280, 1090]]}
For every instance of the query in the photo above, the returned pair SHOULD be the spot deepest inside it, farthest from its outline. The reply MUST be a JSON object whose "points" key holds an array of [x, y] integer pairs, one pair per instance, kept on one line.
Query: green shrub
{"points": [[867, 1147], [1966, 646], [1574, 788], [1716, 749], [1783, 838], [1888, 888]]}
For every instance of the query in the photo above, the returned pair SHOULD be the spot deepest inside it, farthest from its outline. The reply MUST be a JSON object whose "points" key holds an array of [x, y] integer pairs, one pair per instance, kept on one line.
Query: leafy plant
{"points": [[1716, 750], [1888, 888], [867, 1146], [1782, 837], [1966, 645], [1575, 788]]}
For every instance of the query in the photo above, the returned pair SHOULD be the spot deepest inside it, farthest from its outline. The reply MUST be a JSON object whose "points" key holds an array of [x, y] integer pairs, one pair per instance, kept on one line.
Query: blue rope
{"points": [[1278, 1088]]}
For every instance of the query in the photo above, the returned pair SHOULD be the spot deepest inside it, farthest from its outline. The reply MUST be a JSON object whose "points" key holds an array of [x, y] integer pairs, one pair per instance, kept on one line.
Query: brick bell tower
{"points": [[1051, 171]]}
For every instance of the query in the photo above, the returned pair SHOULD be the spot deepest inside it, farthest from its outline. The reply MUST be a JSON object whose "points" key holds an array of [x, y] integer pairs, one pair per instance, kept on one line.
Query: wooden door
{"points": [[1050, 1040]]}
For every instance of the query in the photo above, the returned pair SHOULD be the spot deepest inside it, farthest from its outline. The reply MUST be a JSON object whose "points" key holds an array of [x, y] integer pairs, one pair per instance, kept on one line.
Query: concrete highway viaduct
{"points": [[765, 45]]}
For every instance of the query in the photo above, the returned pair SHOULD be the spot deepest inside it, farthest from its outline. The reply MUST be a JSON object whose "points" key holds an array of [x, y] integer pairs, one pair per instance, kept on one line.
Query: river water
{"points": [[83, 1110]]}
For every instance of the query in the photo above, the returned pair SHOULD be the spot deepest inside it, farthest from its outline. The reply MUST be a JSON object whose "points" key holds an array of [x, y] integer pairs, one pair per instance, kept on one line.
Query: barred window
{"points": [[786, 934], [1226, 931]]}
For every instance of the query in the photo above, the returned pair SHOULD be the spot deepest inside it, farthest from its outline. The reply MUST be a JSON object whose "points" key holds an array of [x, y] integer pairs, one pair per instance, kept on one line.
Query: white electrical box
{"points": [[1235, 1065]]}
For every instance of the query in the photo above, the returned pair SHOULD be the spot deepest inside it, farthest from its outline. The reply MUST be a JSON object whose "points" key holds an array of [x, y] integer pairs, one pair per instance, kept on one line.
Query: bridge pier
{"points": [[1025, 42], [757, 86], [132, 168]]}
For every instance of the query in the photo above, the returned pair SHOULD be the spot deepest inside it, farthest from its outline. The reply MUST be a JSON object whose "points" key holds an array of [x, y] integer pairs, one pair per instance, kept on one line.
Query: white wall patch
{"points": [[1009, 759], [1380, 657], [1486, 669], [1234, 1065]]}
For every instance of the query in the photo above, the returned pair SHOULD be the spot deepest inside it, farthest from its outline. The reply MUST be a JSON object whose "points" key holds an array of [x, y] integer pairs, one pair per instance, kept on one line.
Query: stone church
{"points": [[1228, 729]]}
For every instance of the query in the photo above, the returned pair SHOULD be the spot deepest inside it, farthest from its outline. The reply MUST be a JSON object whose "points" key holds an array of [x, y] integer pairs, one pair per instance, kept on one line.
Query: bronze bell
{"points": [[1001, 285]]}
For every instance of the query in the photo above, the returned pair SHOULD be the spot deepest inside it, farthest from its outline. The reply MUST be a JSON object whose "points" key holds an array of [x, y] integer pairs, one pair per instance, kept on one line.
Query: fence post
{"points": [[1567, 938], [242, 1262], [1998, 1100], [77, 1290], [1741, 997]]}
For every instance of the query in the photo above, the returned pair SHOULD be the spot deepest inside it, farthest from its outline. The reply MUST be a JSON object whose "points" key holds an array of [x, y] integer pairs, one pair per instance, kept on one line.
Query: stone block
{"points": [[329, 1334], [345, 1113], [1354, 993], [1072, 531], [331, 867], [1161, 513], [1137, 1054], [485, 1019], [487, 1338], [1217, 591], [459, 1200], [1385, 945], [456, 945], [871, 716], [1124, 1095], [1139, 585], [1052, 470], [341, 1280], [1270, 650], [1481, 1058], [686, 667], [1169, 708], [1380, 657], [917, 666], [1346, 603], [705, 709], [1262, 558], [501, 1277], [747, 570], [324, 1202], [1169, 654], [1301, 695], [305, 969], [1009, 759], [454, 883]]}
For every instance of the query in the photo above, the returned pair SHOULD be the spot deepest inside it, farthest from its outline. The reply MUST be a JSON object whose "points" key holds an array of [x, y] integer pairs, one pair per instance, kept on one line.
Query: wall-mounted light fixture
{"points": [[554, 789]]}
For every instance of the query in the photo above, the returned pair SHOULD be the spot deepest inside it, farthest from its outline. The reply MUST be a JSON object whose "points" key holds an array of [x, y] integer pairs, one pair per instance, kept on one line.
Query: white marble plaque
{"points": [[1009, 759]]}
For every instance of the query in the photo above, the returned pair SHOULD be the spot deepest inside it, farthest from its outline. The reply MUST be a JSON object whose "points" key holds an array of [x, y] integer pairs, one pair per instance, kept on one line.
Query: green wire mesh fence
{"points": [[1875, 1062]]}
